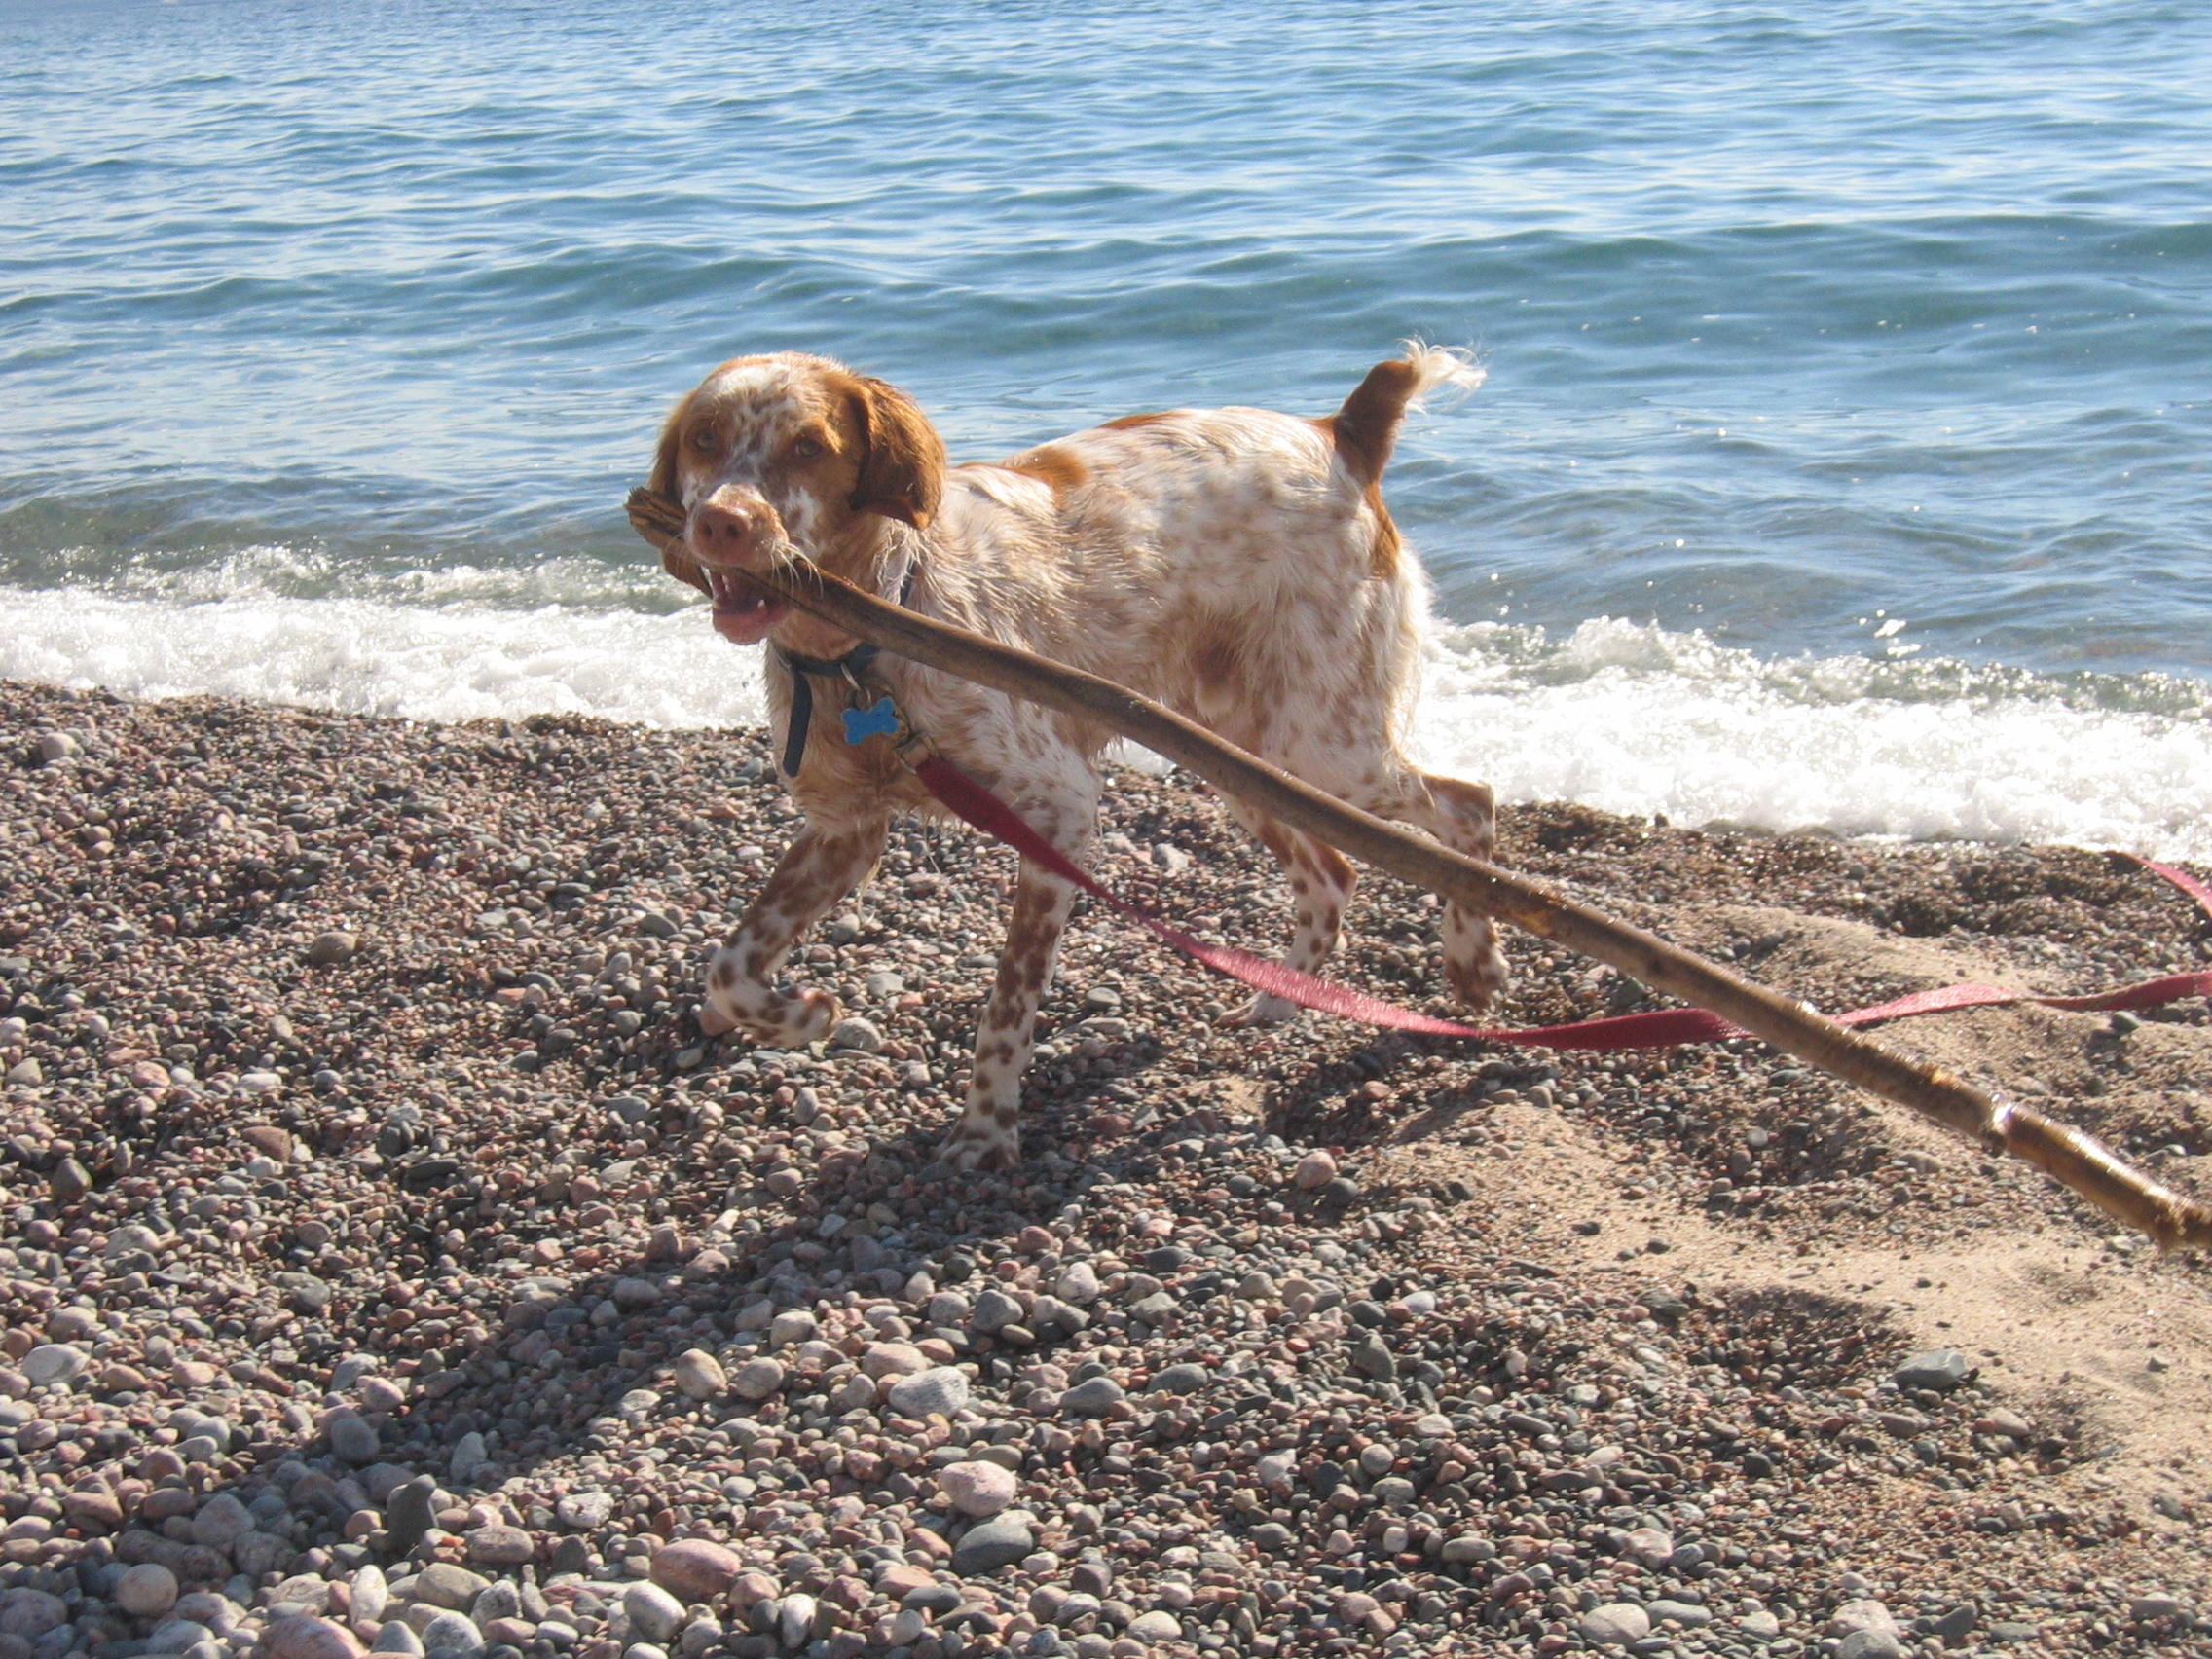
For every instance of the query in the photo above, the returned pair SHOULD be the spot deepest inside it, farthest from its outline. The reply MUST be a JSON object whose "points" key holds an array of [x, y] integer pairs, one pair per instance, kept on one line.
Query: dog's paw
{"points": [[971, 1148], [808, 1016], [1479, 977], [788, 1022], [1265, 1009]]}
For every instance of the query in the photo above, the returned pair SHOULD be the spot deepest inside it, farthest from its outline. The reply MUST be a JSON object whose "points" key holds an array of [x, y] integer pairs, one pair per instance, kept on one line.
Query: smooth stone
{"points": [[976, 1489], [699, 1375], [792, 1326], [410, 1512], [794, 1622], [989, 1545], [328, 949], [1093, 1398], [1616, 1624], [585, 1511], [396, 1635], [31, 1613], [862, 1036], [757, 1378], [1650, 1546], [442, 1584], [1938, 1369], [1185, 1379], [307, 1639], [1861, 1614], [500, 1546], [500, 1600], [371, 1594], [1688, 1615], [880, 1360], [1761, 1626], [1372, 1359], [993, 1310], [1077, 1283], [1156, 1626], [146, 1591], [468, 1452], [221, 1522], [653, 1613], [356, 1440], [1870, 1644], [53, 1362], [695, 1569], [451, 1633], [938, 1391]]}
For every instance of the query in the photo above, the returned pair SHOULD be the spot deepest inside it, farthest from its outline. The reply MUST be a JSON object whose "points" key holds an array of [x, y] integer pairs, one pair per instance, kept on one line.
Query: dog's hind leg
{"points": [[817, 870], [1321, 881], [1463, 816]]}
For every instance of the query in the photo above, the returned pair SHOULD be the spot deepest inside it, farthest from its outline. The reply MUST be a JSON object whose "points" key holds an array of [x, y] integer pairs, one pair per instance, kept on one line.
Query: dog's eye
{"points": [[703, 440], [808, 449]]}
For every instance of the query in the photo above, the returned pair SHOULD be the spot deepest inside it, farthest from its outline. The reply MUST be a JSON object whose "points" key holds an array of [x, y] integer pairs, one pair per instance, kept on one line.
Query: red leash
{"points": [[971, 801]]}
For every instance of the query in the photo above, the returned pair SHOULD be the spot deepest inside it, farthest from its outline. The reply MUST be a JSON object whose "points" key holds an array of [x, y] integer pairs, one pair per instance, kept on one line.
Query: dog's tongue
{"points": [[743, 613]]}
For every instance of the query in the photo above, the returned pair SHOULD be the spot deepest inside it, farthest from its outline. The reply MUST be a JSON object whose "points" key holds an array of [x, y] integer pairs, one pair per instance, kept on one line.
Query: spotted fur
{"points": [[1236, 565]]}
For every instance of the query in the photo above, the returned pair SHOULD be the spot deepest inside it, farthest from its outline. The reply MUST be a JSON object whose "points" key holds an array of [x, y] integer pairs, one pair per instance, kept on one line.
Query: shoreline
{"points": [[446, 1159]]}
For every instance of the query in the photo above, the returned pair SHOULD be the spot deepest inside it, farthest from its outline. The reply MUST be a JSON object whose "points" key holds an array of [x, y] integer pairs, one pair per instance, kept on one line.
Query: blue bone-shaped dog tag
{"points": [[879, 720]]}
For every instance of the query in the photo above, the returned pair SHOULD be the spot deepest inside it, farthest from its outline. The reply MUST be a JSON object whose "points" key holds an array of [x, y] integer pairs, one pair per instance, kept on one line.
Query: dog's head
{"points": [[791, 455]]}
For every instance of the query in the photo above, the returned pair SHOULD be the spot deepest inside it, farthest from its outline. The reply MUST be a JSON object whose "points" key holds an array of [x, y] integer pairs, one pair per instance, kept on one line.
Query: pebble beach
{"points": [[390, 1264]]}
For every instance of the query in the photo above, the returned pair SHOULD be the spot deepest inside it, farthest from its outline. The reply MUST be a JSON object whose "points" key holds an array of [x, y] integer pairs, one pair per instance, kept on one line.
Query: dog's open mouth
{"points": [[743, 613]]}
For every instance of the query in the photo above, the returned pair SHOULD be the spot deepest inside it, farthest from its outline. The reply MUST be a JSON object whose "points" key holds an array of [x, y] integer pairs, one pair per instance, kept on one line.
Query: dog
{"points": [[1236, 565]]}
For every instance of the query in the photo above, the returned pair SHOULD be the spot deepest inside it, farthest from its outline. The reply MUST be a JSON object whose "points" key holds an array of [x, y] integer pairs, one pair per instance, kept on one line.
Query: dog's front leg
{"points": [[817, 869], [988, 1135]]}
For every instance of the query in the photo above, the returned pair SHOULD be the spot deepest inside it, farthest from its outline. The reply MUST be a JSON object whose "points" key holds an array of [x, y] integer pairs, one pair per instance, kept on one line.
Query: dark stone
{"points": [[1185, 1379], [991, 1544], [1939, 1370], [410, 1513]]}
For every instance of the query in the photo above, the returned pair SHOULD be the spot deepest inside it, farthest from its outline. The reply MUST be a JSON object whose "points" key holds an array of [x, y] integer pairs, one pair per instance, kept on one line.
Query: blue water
{"points": [[1848, 361]]}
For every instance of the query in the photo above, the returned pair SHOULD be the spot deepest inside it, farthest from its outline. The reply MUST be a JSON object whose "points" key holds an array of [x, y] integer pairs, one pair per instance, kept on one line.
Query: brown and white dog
{"points": [[1235, 564]]}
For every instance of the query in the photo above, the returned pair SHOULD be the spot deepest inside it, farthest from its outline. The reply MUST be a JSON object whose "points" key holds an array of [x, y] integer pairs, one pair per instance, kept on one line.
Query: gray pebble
{"points": [[993, 1310], [654, 1612], [452, 1633], [1184, 1379], [53, 1362], [938, 1391], [1092, 1399], [991, 1544], [1938, 1369], [356, 1440], [1371, 1359], [410, 1513], [1616, 1624]]}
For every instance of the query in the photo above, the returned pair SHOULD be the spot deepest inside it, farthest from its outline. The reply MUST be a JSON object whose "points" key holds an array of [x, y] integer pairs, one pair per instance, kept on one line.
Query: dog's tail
{"points": [[1366, 428]]}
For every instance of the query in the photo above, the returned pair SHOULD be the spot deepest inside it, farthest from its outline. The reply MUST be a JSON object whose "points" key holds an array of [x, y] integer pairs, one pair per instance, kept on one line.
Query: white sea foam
{"points": [[1633, 720], [1628, 719], [364, 657]]}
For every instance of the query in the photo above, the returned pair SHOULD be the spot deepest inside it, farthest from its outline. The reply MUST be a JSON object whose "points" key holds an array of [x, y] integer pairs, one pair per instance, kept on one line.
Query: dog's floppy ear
{"points": [[673, 559], [902, 459]]}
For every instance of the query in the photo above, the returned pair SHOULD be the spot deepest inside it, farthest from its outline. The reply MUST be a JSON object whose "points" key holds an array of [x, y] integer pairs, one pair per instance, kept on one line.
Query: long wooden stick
{"points": [[2078, 1159]]}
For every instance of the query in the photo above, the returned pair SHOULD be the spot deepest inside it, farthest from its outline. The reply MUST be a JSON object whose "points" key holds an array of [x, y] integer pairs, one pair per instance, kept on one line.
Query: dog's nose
{"points": [[728, 525]]}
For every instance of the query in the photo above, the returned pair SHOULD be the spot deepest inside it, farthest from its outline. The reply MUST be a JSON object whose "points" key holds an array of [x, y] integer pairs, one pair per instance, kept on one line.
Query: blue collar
{"points": [[805, 670]]}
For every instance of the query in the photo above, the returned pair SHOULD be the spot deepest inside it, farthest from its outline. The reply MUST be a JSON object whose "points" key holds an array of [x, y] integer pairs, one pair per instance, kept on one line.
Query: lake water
{"points": [[1842, 460]]}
